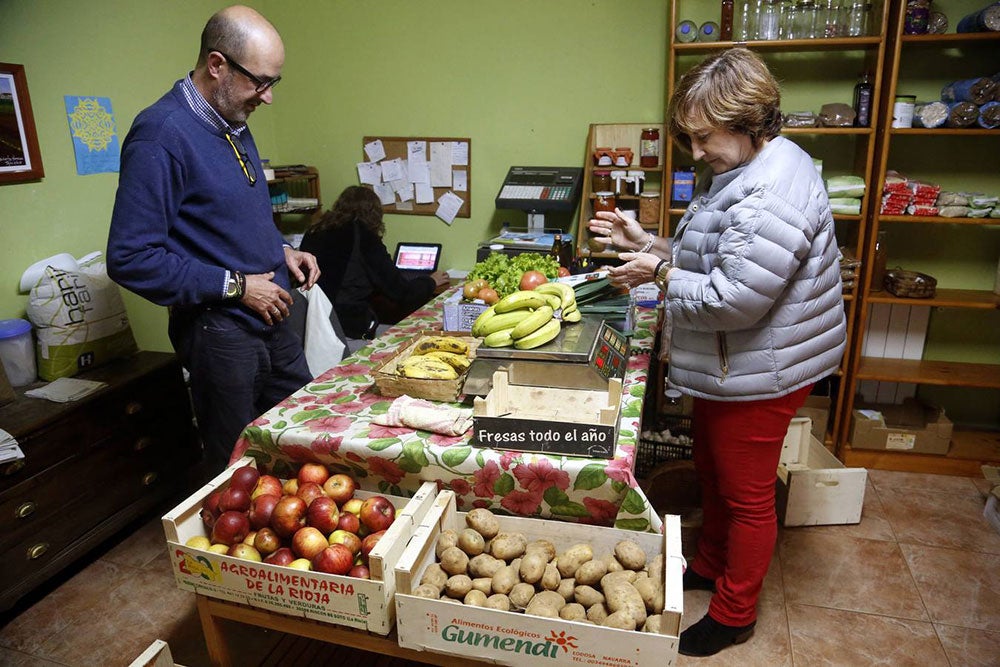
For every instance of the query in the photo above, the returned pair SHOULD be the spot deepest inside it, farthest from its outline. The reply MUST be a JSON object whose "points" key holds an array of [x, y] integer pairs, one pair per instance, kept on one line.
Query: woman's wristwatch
{"points": [[660, 274]]}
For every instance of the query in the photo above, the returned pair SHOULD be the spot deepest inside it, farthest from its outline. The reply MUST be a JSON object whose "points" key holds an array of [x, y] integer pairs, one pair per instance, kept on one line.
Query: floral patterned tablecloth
{"points": [[330, 421]]}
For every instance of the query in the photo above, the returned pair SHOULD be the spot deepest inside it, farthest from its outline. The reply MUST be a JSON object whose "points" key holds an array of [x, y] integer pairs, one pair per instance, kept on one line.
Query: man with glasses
{"points": [[192, 229]]}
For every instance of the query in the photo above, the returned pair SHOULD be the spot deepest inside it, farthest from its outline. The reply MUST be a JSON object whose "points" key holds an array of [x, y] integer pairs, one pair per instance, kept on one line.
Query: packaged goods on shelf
{"points": [[845, 205], [989, 115], [962, 114], [845, 186], [978, 90], [837, 114], [930, 114], [801, 119]]}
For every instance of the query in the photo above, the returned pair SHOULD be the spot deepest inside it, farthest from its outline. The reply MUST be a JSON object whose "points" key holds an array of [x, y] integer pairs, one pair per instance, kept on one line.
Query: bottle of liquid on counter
{"points": [[863, 92], [557, 248]]}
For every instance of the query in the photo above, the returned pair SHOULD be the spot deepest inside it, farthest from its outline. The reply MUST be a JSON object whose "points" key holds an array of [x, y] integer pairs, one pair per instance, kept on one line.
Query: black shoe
{"points": [[708, 637], [695, 582]]}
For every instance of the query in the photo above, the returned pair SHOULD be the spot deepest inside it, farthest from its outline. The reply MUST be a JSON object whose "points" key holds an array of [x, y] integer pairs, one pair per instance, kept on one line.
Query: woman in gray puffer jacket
{"points": [[754, 297]]}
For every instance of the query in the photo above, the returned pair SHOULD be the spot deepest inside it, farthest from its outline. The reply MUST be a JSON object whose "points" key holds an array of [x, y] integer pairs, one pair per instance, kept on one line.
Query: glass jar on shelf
{"points": [[768, 16], [828, 19], [602, 180], [804, 22], [857, 18], [649, 147]]}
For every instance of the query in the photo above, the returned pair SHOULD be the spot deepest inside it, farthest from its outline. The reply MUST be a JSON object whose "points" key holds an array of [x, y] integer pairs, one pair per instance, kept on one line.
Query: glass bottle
{"points": [[878, 263], [829, 19], [726, 20], [557, 248], [805, 19], [857, 18], [863, 92], [744, 23], [767, 20]]}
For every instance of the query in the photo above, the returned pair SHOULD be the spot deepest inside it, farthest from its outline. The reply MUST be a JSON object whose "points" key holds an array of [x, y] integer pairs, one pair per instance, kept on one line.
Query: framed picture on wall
{"points": [[20, 159]]}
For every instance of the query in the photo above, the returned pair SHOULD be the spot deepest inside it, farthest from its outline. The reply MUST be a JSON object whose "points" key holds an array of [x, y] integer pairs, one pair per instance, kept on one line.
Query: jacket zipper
{"points": [[723, 355]]}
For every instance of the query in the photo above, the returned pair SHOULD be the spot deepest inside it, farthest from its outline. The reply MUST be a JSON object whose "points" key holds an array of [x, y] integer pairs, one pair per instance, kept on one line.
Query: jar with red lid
{"points": [[602, 180], [649, 147], [604, 201]]}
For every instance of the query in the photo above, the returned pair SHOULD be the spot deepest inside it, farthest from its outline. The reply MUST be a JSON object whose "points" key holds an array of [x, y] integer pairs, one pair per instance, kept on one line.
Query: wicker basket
{"points": [[910, 284]]}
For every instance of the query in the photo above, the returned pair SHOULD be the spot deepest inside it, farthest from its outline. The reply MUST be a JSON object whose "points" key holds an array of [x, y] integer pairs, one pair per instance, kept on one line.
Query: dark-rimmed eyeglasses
{"points": [[261, 83], [244, 159]]}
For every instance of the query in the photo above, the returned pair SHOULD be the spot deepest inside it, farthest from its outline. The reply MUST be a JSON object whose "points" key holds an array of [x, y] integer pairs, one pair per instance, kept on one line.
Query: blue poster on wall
{"points": [[95, 139]]}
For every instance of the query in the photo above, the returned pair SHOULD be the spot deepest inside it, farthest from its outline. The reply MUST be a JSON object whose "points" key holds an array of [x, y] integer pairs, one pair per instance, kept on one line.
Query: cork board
{"points": [[448, 164]]}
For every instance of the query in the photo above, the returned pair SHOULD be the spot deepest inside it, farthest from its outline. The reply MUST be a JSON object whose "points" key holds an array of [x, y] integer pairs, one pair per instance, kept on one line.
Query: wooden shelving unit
{"points": [[296, 183]]}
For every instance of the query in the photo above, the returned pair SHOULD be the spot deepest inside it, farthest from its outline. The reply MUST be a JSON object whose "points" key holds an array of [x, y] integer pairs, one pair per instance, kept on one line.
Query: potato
{"points": [[498, 601], [454, 561], [573, 612], [545, 603], [591, 572], [621, 619], [475, 598], [656, 566], [471, 542], [484, 584], [588, 596], [550, 578], [458, 586], [427, 591], [508, 546], [566, 587], [484, 565], [532, 567], [612, 578], [570, 560], [434, 576], [612, 563], [597, 613], [505, 579], [653, 624], [630, 555], [447, 538], [483, 522], [625, 597], [652, 595], [521, 595], [544, 546]]}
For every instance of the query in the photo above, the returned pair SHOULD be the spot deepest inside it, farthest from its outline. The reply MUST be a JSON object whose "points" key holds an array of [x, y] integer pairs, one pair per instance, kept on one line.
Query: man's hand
{"points": [[303, 266], [266, 298]]}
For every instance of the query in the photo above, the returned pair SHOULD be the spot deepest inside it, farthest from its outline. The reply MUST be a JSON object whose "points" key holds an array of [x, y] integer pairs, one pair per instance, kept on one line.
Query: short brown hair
{"points": [[732, 90]]}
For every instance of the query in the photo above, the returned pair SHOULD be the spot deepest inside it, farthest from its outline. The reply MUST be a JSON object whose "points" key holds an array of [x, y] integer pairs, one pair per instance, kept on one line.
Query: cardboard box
{"points": [[528, 418], [816, 408], [460, 314], [910, 427], [511, 638], [391, 384], [814, 488], [340, 600]]}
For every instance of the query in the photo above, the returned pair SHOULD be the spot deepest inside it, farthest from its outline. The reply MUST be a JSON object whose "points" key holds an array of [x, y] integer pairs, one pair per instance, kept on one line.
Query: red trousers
{"points": [[737, 446]]}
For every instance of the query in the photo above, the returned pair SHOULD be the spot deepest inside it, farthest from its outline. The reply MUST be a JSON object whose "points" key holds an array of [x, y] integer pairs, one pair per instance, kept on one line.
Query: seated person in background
{"points": [[358, 273]]}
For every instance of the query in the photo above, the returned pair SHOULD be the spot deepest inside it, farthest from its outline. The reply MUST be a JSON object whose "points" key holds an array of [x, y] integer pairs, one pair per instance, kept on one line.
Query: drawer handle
{"points": [[149, 478], [133, 407], [142, 443], [38, 550], [25, 509], [14, 467]]}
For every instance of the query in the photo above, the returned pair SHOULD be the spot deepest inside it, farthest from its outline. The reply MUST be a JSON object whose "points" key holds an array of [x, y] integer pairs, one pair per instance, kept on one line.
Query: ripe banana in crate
{"points": [[502, 321], [441, 343], [499, 338], [534, 321], [426, 367], [519, 300], [539, 336], [566, 294], [485, 316], [459, 362]]}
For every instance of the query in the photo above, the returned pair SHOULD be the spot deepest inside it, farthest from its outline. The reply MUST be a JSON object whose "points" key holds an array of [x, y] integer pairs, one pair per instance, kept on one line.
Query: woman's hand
{"points": [[441, 279], [639, 268], [619, 229]]}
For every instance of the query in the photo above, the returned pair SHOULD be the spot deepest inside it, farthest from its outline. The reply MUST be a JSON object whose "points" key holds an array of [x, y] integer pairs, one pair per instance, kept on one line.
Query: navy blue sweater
{"points": [[185, 213]]}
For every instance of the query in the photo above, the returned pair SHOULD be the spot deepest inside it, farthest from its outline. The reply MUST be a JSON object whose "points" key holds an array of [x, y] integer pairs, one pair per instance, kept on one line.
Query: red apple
{"points": [[210, 508], [352, 505], [323, 514], [245, 477], [340, 487], [267, 485], [283, 556], [261, 509], [349, 540], [349, 522], [313, 472], [369, 543], [334, 559], [308, 541], [290, 487], [360, 571], [235, 499], [230, 528], [266, 541], [377, 513], [309, 491], [288, 516], [244, 551]]}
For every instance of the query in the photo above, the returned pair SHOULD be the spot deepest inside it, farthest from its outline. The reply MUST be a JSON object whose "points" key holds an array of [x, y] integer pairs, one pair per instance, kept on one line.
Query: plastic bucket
{"points": [[17, 352]]}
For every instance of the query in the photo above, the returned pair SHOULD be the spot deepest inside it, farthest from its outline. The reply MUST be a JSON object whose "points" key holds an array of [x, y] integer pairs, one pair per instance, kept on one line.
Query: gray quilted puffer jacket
{"points": [[757, 308]]}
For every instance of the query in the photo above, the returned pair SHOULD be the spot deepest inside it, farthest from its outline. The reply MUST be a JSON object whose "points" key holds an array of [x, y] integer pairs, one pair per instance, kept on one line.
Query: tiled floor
{"points": [[917, 582]]}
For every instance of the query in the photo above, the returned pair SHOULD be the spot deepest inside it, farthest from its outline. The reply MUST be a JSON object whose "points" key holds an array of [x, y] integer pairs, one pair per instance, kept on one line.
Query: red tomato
{"points": [[489, 295], [563, 272], [532, 279]]}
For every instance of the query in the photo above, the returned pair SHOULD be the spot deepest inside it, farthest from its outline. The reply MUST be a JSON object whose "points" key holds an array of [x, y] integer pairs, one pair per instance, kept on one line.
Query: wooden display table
{"points": [[211, 611]]}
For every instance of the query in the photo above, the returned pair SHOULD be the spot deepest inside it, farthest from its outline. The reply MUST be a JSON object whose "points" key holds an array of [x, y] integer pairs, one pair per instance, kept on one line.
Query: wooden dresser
{"points": [[91, 466]]}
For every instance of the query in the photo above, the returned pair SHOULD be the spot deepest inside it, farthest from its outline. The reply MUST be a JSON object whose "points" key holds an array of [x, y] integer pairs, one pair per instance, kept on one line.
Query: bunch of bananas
{"points": [[436, 358], [526, 318]]}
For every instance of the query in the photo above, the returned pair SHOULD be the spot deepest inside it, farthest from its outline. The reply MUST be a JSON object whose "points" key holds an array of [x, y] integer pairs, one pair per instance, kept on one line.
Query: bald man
{"points": [[192, 230]]}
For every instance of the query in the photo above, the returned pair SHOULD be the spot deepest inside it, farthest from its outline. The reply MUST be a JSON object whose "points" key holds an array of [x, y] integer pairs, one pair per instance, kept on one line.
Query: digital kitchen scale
{"points": [[583, 356]]}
